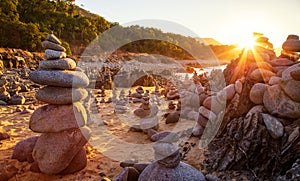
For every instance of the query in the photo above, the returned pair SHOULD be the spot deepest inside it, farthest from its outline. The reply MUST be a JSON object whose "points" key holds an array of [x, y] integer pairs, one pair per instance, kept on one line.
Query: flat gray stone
{"points": [[51, 37], [60, 64], [257, 93], [274, 126], [54, 152], [53, 46], [53, 54], [57, 118], [60, 78], [61, 95]]}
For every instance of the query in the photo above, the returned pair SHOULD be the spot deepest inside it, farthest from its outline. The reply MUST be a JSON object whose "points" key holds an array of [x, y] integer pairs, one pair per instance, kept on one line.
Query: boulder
{"points": [[54, 152], [23, 149], [295, 74], [57, 118], [78, 163], [60, 64], [257, 93], [61, 95], [279, 104], [292, 45], [291, 88], [261, 75], [60, 78]]}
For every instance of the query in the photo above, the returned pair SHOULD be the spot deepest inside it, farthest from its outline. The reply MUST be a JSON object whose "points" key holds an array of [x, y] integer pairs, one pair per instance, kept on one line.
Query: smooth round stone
{"points": [[280, 69], [57, 118], [54, 152], [293, 37], [202, 121], [286, 74], [156, 171], [238, 86], [207, 113], [78, 163], [23, 149], [291, 45], [257, 93], [213, 104], [53, 54], [291, 88], [60, 64], [53, 46], [262, 39], [172, 118], [51, 37], [295, 74], [60, 78], [282, 62], [167, 137], [261, 75], [17, 100], [279, 104], [61, 95], [274, 126], [230, 91], [197, 130], [149, 123], [274, 80]]}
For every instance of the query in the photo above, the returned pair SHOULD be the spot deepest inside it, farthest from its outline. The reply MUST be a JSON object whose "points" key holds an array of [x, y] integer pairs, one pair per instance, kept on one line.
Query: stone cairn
{"points": [[60, 148], [167, 164]]}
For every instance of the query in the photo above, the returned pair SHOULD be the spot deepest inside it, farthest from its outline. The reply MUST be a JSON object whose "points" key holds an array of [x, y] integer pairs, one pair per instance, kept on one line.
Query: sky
{"points": [[227, 21]]}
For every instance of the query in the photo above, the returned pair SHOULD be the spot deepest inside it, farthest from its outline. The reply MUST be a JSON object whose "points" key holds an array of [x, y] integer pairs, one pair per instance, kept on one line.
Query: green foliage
{"points": [[30, 20], [67, 46]]}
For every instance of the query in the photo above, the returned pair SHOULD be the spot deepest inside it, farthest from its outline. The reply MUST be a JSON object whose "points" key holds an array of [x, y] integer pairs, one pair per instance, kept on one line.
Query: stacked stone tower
{"points": [[60, 148]]}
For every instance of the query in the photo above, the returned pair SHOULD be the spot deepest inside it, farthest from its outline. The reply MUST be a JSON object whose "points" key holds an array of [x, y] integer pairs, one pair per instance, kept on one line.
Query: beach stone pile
{"points": [[60, 147], [167, 164]]}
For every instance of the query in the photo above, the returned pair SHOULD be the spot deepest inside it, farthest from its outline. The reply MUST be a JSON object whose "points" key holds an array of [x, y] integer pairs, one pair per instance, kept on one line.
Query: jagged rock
{"points": [[60, 95], [277, 103], [54, 151], [274, 126], [261, 75], [53, 118], [59, 78], [257, 93], [23, 149], [60, 64], [53, 54], [291, 88]]}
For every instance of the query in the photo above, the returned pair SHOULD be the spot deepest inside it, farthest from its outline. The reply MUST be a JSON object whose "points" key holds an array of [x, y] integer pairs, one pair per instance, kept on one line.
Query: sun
{"points": [[247, 43]]}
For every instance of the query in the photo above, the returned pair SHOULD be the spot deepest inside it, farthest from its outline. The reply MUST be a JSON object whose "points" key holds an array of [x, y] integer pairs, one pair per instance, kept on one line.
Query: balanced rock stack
{"points": [[291, 48], [59, 149]]}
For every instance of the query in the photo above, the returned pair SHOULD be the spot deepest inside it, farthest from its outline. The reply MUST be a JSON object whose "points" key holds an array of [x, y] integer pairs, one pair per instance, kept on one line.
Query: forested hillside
{"points": [[25, 24]]}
